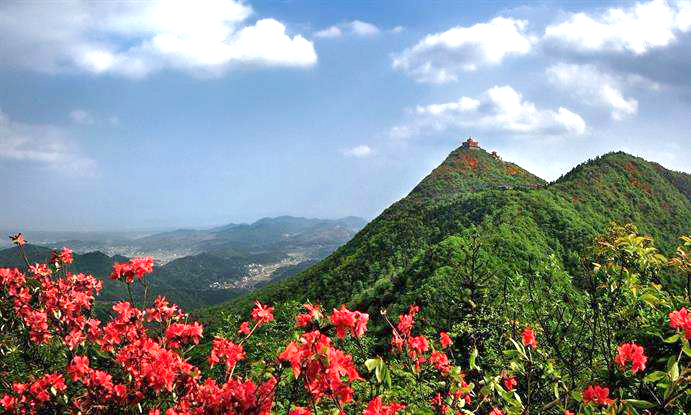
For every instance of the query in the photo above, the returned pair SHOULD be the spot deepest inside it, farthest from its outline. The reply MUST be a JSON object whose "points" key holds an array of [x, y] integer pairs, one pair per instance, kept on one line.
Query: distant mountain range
{"points": [[203, 267]]}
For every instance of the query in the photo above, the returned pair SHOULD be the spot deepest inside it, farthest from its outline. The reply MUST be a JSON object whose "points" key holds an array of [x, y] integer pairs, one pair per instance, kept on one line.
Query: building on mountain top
{"points": [[471, 144]]}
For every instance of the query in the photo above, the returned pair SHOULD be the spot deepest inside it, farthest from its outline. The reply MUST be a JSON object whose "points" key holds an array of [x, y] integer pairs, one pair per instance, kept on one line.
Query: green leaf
{"points": [[655, 376], [672, 339], [371, 364], [686, 349], [650, 299], [639, 403], [673, 372], [473, 356]]}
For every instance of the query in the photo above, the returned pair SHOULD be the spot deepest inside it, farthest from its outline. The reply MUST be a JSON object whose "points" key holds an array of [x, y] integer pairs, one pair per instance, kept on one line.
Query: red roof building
{"points": [[470, 143]]}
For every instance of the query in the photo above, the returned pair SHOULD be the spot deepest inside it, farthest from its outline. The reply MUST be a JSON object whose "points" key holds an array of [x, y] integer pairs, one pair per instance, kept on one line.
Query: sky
{"points": [[137, 115]]}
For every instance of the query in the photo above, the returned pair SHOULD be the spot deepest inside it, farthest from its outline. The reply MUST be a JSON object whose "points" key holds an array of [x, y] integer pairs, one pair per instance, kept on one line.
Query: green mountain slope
{"points": [[512, 220]]}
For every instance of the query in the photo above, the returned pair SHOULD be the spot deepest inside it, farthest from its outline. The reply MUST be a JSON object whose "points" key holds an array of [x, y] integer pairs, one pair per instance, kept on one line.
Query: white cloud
{"points": [[397, 29], [361, 28], [81, 117], [356, 28], [636, 29], [442, 57], [329, 32], [360, 151], [593, 87], [499, 110], [136, 38], [42, 144]]}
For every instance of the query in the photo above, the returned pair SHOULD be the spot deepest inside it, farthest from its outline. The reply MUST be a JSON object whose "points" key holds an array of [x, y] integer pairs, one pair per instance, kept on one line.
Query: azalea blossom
{"points": [[445, 340], [529, 338], [631, 352], [597, 395], [376, 407], [262, 314]]}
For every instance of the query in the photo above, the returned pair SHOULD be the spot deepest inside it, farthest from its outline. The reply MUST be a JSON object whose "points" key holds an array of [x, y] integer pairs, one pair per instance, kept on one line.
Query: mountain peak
{"points": [[469, 168]]}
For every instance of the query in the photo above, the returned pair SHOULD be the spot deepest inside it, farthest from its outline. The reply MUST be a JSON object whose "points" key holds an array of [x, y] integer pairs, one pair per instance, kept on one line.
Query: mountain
{"points": [[478, 209], [283, 231], [219, 264]]}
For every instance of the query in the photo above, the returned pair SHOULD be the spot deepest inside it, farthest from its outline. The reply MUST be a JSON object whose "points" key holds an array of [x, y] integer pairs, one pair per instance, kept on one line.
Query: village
{"points": [[257, 273]]}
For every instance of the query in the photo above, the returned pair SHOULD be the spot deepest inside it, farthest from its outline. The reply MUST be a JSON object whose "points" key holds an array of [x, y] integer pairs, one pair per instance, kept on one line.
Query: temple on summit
{"points": [[471, 144]]}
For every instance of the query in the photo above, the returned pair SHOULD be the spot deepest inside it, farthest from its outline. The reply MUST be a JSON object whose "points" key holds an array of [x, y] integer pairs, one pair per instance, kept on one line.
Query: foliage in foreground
{"points": [[56, 358]]}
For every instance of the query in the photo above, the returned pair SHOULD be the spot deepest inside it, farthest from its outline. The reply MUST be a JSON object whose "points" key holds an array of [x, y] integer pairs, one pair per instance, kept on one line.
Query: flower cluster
{"points": [[34, 395], [529, 338], [633, 353], [345, 321], [681, 320], [326, 369], [376, 407], [314, 313], [597, 395], [136, 267], [48, 306]]}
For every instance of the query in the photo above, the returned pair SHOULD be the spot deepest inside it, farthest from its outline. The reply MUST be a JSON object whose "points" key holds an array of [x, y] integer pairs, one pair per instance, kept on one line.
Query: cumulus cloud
{"points": [[634, 30], [442, 57], [41, 144], [136, 38], [500, 109], [360, 151], [593, 87], [81, 117], [356, 27]]}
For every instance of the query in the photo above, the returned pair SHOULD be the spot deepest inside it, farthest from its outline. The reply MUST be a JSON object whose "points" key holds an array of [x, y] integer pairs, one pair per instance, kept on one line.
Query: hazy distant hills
{"points": [[203, 267], [284, 232]]}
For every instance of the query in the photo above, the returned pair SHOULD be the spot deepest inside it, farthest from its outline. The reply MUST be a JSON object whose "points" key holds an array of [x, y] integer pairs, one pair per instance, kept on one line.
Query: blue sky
{"points": [[145, 115]]}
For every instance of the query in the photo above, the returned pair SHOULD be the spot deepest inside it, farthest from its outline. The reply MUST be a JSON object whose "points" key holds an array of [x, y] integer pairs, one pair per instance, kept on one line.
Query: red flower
{"points": [[186, 333], [245, 328], [79, 368], [445, 340], [632, 352], [509, 382], [18, 239], [142, 266], [138, 267], [496, 411], [223, 349], [680, 320], [529, 338], [262, 314], [299, 410], [597, 395], [293, 355], [8, 402], [345, 320], [440, 362], [419, 344], [66, 256], [375, 407]]}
